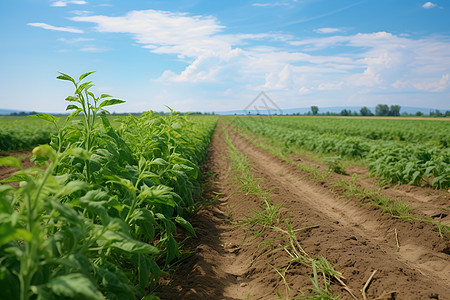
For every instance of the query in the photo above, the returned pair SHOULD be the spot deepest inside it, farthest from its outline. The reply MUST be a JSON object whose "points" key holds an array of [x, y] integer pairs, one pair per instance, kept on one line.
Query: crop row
{"points": [[99, 220], [18, 133], [393, 162], [410, 131]]}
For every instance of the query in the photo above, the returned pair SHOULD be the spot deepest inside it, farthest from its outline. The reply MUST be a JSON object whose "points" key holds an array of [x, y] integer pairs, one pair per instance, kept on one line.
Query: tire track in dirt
{"points": [[423, 267]]}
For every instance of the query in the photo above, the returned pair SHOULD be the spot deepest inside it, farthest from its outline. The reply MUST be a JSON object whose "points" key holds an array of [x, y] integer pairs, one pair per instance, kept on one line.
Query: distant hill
{"points": [[333, 109]]}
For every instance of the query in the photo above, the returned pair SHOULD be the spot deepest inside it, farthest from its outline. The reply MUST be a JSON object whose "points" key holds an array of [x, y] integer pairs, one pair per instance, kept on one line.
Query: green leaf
{"points": [[72, 99], [111, 102], [65, 77], [75, 286], [71, 106], [120, 240], [85, 75], [46, 117], [172, 249], [83, 86], [74, 114], [105, 96], [72, 187], [159, 161], [159, 194], [10, 161], [15, 178], [186, 225]]}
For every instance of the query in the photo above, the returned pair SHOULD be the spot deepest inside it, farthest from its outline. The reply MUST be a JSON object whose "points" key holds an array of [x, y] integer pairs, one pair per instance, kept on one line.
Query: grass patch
{"points": [[268, 214]]}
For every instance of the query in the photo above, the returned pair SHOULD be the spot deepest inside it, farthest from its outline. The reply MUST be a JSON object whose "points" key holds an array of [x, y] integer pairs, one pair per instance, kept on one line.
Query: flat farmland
{"points": [[287, 207]]}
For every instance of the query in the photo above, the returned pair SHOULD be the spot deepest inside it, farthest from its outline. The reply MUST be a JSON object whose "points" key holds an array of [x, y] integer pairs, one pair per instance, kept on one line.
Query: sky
{"points": [[219, 55]]}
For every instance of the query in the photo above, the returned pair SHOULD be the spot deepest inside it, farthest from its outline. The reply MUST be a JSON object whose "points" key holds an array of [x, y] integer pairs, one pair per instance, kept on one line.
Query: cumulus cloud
{"points": [[55, 28], [429, 5], [164, 32], [280, 62]]}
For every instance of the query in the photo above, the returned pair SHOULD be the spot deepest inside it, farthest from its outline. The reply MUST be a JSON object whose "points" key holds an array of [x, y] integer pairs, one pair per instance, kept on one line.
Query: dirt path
{"points": [[228, 264]]}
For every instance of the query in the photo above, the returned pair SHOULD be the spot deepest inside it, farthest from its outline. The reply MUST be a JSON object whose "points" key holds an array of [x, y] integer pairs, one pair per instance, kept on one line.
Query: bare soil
{"points": [[23, 156], [228, 262]]}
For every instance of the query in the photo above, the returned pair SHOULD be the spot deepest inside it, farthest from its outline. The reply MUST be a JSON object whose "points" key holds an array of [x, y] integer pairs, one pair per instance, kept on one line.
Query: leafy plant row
{"points": [[435, 132], [18, 133], [99, 221], [393, 162]]}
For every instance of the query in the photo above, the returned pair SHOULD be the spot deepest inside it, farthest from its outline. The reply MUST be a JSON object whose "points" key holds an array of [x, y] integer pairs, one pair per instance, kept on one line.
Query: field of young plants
{"points": [[414, 152], [100, 219], [17, 133], [249, 207]]}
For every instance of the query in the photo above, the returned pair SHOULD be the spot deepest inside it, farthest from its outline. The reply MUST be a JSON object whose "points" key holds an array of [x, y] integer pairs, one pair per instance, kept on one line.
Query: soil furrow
{"points": [[360, 222], [228, 262]]}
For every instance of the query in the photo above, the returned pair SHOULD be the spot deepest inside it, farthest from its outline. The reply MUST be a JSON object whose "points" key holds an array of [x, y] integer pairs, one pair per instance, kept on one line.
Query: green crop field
{"points": [[99, 220], [19, 133], [397, 150], [102, 213]]}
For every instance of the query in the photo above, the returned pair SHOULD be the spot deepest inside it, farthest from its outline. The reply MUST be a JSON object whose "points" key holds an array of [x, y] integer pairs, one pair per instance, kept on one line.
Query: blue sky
{"points": [[218, 55]]}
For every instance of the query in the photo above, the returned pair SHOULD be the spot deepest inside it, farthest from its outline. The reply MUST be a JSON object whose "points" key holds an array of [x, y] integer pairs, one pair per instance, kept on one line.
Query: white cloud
{"points": [[360, 63], [304, 91], [65, 2], [281, 80], [75, 40], [429, 5], [171, 33], [55, 28], [327, 30]]}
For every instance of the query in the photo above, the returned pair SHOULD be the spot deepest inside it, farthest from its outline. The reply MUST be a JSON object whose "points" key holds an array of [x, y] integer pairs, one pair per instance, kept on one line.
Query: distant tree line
{"points": [[23, 113], [381, 110]]}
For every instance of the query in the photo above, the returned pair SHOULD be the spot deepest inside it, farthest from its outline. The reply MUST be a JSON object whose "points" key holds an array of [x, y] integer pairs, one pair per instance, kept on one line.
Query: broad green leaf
{"points": [[122, 181], [72, 99], [75, 286], [85, 75], [157, 194], [186, 225], [159, 161], [46, 117], [10, 161], [172, 249], [16, 177], [71, 106], [111, 102], [72, 187], [65, 77], [105, 96], [119, 240]]}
